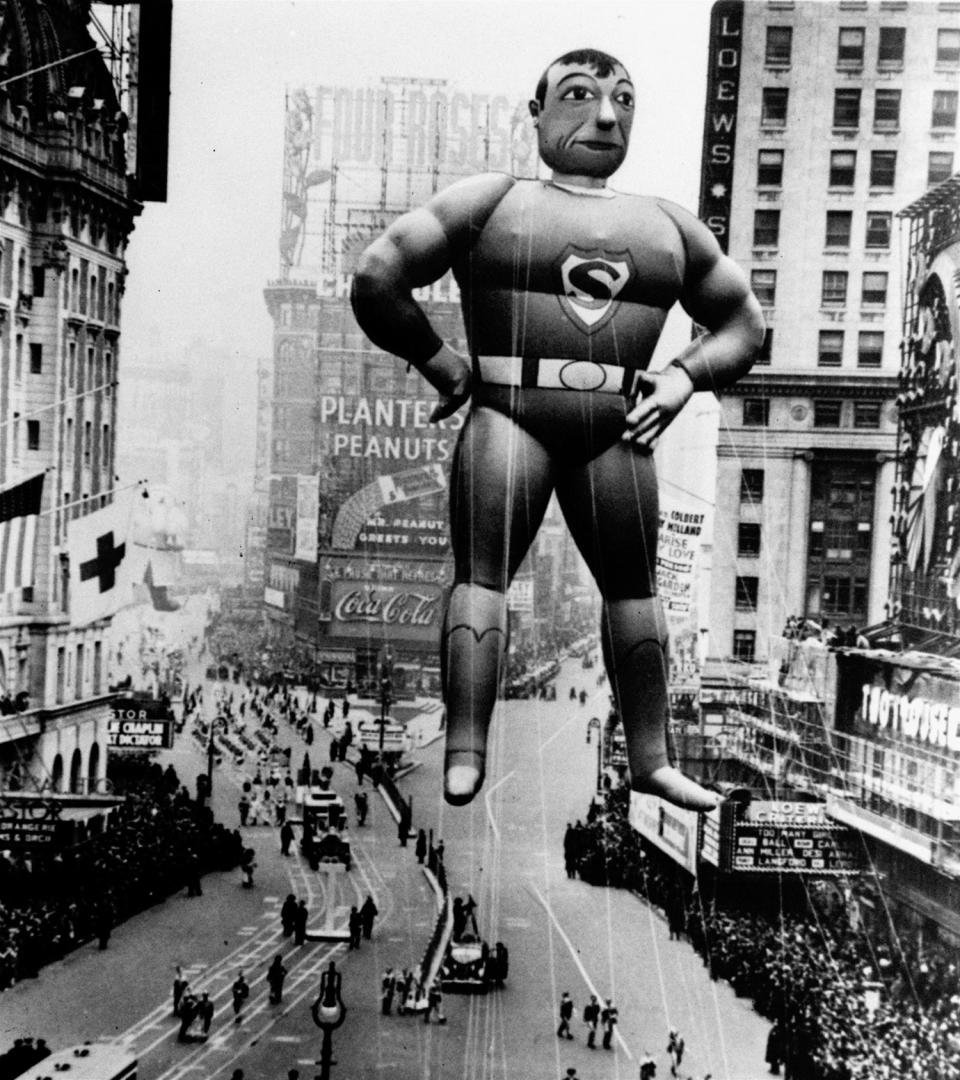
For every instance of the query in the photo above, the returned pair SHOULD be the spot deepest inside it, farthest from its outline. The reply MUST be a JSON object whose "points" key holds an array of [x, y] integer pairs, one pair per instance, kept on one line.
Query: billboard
{"points": [[140, 724], [391, 468], [792, 837], [673, 830], [379, 599]]}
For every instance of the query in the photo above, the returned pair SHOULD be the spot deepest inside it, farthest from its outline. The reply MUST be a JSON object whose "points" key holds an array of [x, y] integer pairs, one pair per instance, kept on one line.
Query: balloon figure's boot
{"points": [[472, 651], [635, 653]]}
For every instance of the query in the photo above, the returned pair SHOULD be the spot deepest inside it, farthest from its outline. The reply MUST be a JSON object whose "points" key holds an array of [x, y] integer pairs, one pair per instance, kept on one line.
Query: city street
{"points": [[505, 849]]}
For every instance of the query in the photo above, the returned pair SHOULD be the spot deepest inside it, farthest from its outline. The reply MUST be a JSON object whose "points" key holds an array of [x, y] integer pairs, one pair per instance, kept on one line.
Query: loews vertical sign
{"points": [[720, 122]]}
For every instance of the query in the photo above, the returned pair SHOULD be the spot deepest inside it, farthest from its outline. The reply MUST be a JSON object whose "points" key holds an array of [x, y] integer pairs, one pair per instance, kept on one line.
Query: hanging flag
{"points": [[97, 545], [19, 517]]}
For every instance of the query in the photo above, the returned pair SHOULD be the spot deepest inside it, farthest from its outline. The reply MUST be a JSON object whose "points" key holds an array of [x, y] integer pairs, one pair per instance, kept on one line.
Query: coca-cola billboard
{"points": [[377, 610]]}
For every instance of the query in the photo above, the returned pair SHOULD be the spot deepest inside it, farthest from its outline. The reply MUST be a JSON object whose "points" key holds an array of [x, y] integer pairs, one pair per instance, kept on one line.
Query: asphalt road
{"points": [[505, 849]]}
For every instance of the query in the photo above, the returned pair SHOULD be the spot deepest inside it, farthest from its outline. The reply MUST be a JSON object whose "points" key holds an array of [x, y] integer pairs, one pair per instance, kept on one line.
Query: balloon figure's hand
{"points": [[452, 400], [662, 395]]}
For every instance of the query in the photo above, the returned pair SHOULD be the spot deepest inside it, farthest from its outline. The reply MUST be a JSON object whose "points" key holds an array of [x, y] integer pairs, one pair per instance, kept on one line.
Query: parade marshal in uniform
{"points": [[566, 285]]}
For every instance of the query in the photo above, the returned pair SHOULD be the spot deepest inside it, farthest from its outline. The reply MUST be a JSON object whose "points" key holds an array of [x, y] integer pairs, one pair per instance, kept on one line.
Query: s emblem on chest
{"points": [[590, 284]]}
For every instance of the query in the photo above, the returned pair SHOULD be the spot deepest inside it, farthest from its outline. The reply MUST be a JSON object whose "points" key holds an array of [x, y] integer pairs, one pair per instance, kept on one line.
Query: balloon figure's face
{"points": [[583, 126]]}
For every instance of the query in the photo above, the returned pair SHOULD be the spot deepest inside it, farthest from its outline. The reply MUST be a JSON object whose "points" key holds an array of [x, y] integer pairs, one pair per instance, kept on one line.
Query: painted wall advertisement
{"points": [[676, 554], [400, 611], [672, 829]]}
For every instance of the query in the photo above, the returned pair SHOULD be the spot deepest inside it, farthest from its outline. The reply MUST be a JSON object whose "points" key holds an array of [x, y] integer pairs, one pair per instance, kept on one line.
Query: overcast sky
{"points": [[199, 262]]}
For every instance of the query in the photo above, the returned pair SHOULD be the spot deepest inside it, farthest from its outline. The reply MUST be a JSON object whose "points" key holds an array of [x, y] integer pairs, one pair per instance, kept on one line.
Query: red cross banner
{"points": [[98, 547]]}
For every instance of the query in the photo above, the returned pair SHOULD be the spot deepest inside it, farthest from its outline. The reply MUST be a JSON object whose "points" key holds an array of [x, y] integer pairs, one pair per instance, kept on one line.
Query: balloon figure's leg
{"points": [[635, 652], [473, 649]]}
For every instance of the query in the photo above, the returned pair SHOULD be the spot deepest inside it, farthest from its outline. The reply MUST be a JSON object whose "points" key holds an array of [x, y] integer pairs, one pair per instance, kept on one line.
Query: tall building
{"points": [[822, 122], [357, 554], [72, 180]]}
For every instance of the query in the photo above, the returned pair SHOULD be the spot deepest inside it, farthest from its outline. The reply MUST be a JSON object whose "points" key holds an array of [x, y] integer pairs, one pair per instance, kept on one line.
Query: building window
{"points": [[939, 166], [839, 223], [883, 168], [833, 292], [39, 281], [773, 106], [764, 285], [874, 291], [751, 485], [33, 434], [870, 349], [842, 595], [97, 667], [850, 47], [830, 349], [843, 168], [878, 229], [846, 108], [744, 645], [779, 42], [948, 47], [746, 599], [886, 110], [892, 41], [765, 351], [770, 168], [61, 674], [866, 414], [756, 412], [766, 228], [944, 109], [748, 538], [826, 414], [36, 358]]}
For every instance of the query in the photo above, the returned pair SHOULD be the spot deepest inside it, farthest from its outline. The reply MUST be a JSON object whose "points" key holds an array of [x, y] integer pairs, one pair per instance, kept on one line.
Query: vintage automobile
{"points": [[471, 966]]}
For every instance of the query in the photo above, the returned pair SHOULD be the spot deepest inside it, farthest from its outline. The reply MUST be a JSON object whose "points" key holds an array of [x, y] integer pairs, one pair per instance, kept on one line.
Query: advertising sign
{"points": [[720, 121], [308, 506], [678, 544], [28, 825], [282, 515], [140, 724], [670, 828], [792, 837], [405, 612]]}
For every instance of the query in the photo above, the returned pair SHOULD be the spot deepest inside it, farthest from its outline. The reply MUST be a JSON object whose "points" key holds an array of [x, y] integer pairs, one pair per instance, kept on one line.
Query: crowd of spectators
{"points": [[847, 1001], [24, 1053], [156, 842]]}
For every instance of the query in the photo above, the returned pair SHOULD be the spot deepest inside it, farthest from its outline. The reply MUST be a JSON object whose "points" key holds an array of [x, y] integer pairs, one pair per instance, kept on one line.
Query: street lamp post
{"points": [[328, 1013], [594, 725], [386, 693]]}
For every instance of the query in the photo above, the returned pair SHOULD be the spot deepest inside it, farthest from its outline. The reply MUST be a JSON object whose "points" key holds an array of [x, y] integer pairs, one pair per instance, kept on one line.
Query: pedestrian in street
{"points": [[188, 1013], [609, 1016], [244, 807], [300, 923], [403, 826], [434, 1003], [355, 924], [194, 887], [368, 912], [334, 749], [675, 1048], [470, 914], [591, 1017], [287, 837], [362, 806], [247, 868], [180, 985], [205, 1012], [104, 924], [459, 919], [648, 1067], [570, 1074], [386, 992], [566, 1015], [400, 988], [276, 973], [288, 914], [775, 1048], [239, 992], [237, 1074], [421, 847]]}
